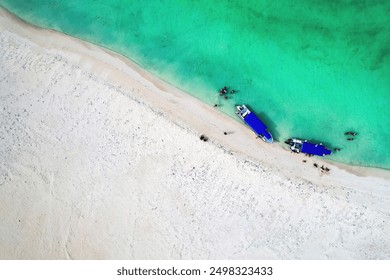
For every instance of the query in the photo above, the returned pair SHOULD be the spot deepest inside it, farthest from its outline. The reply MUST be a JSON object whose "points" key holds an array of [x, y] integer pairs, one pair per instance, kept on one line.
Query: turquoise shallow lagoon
{"points": [[311, 69]]}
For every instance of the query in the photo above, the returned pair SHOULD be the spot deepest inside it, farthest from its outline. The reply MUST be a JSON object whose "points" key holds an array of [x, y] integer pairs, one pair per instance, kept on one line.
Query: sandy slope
{"points": [[100, 160]]}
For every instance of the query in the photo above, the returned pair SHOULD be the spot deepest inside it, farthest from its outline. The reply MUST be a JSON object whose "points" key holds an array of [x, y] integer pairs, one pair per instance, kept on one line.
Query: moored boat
{"points": [[303, 146], [254, 123]]}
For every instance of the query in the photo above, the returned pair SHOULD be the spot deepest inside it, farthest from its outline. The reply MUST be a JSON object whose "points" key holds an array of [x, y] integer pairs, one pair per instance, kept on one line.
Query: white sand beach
{"points": [[101, 160]]}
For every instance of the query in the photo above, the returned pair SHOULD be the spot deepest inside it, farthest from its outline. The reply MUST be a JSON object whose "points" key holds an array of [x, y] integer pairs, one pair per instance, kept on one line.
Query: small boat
{"points": [[254, 123], [303, 146]]}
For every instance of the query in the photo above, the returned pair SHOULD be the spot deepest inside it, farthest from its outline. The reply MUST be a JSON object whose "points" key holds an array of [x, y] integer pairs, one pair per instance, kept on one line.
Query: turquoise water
{"points": [[312, 69]]}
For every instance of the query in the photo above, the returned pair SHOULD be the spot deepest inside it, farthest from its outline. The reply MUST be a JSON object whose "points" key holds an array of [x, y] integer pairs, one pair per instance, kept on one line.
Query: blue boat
{"points": [[254, 123], [302, 146]]}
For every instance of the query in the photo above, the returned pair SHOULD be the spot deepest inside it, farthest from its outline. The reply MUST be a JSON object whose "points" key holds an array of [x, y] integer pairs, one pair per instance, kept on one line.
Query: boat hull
{"points": [[305, 147], [254, 123]]}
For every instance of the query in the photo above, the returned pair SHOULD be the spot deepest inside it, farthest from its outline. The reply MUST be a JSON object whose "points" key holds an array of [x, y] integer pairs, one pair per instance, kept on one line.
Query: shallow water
{"points": [[313, 70]]}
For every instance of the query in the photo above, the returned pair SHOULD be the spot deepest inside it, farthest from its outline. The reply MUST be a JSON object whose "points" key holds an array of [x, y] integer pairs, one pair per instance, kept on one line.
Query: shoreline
{"points": [[127, 91], [164, 86]]}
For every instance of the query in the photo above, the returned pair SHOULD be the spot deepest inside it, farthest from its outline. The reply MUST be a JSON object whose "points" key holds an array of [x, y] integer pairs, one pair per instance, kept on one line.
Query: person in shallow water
{"points": [[223, 90], [350, 139], [350, 133]]}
